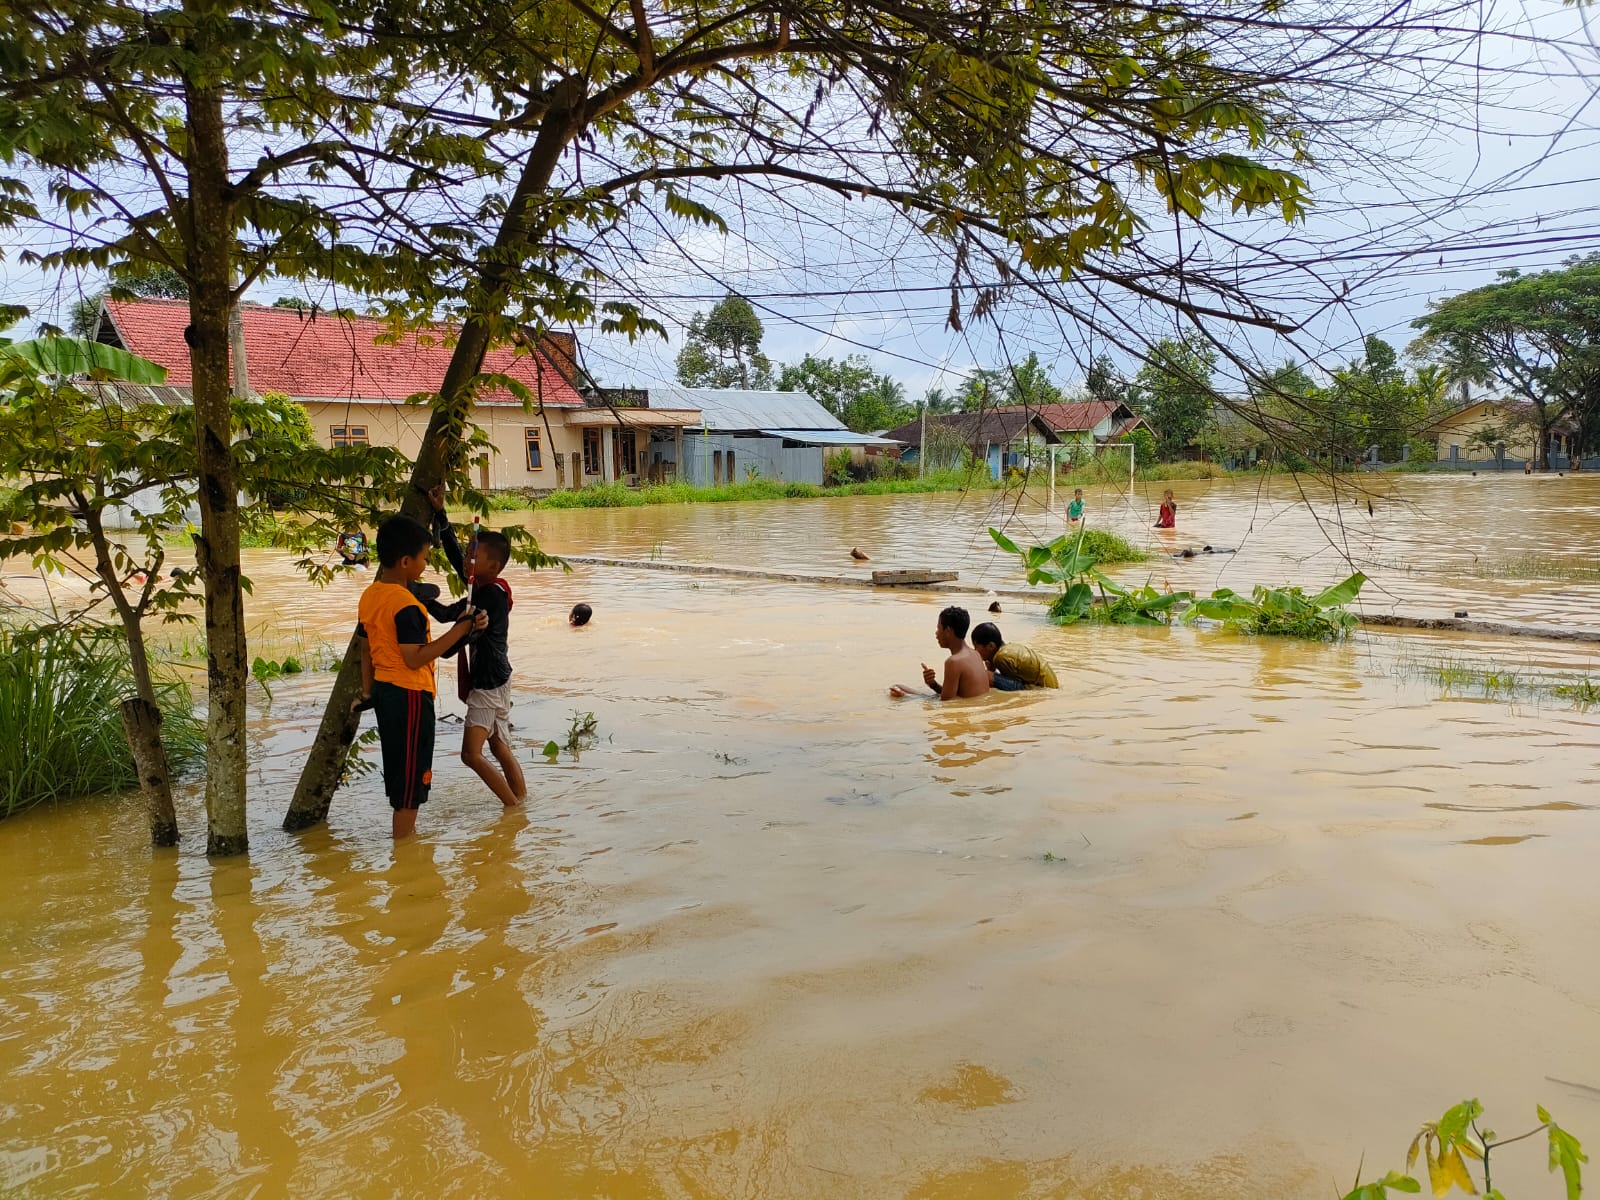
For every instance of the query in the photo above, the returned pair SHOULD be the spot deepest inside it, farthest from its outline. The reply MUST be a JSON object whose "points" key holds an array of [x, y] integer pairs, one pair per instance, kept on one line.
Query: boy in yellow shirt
{"points": [[1012, 666], [397, 665]]}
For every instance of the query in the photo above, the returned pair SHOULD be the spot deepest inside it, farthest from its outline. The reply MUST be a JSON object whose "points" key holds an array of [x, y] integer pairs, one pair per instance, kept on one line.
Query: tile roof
{"points": [[327, 357], [1077, 417], [979, 429], [742, 409]]}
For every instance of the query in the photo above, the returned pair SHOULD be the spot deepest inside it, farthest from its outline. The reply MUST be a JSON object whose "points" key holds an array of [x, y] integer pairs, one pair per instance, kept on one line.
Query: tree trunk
{"points": [[324, 768], [211, 250], [141, 715], [141, 722]]}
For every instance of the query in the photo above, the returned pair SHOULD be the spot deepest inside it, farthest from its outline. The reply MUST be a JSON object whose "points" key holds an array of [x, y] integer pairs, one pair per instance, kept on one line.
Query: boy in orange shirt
{"points": [[397, 665]]}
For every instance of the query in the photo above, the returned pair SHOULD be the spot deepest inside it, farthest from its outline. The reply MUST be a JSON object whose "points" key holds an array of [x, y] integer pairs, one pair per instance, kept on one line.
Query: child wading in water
{"points": [[1169, 511], [1012, 665], [397, 659], [486, 684], [1075, 509], [965, 674]]}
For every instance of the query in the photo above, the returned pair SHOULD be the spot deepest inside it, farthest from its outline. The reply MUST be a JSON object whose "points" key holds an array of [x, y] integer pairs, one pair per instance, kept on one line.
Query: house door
{"points": [[483, 473]]}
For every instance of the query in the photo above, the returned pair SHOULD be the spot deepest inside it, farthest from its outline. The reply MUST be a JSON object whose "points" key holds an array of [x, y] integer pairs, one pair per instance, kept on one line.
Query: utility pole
{"points": [[241, 371], [922, 445]]}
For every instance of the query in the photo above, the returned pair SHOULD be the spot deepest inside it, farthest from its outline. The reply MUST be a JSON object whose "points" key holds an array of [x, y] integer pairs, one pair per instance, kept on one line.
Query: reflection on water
{"points": [[1217, 918]]}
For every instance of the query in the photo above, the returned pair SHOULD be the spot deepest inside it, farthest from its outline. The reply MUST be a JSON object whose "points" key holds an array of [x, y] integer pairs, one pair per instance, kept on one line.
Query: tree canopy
{"points": [[723, 348], [1535, 336]]}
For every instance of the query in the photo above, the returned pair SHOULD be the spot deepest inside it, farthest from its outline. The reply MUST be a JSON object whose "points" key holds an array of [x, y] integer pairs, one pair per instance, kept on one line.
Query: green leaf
{"points": [[551, 750], [1567, 1154], [1005, 543], [1344, 593], [64, 356]]}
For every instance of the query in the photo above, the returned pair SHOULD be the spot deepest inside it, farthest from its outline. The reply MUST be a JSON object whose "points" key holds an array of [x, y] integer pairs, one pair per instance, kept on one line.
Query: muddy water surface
{"points": [[1217, 918]]}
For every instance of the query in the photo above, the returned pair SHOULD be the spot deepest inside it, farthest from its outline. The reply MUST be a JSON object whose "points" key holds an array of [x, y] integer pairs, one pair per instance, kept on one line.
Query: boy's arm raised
{"points": [[417, 654]]}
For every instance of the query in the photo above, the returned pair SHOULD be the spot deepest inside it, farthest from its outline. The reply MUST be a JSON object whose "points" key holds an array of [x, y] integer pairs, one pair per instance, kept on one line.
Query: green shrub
{"points": [[59, 696], [1106, 547]]}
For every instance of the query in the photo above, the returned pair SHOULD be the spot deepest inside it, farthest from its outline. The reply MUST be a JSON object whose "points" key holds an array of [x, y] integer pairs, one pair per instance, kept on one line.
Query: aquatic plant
{"points": [[582, 731], [1285, 611], [1455, 1139], [60, 692]]}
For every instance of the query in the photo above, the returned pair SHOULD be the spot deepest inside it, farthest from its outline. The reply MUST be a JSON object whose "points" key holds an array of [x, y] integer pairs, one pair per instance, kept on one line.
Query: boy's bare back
{"points": [[967, 670]]}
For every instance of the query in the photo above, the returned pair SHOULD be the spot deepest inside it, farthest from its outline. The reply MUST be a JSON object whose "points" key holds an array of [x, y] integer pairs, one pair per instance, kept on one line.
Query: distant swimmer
{"points": [[855, 553], [1190, 552]]}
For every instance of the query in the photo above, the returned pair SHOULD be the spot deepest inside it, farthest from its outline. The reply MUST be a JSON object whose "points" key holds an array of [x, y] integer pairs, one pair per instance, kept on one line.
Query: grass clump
{"points": [[59, 694], [1105, 547], [1565, 569]]}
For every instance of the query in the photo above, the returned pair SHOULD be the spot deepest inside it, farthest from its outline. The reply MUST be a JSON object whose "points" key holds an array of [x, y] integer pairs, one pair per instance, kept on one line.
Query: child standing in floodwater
{"points": [[1168, 517], [1075, 509], [397, 658], [965, 674]]}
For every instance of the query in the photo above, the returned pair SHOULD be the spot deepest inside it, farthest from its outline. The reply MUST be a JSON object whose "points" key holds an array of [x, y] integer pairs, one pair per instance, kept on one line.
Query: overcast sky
{"points": [[1514, 184]]}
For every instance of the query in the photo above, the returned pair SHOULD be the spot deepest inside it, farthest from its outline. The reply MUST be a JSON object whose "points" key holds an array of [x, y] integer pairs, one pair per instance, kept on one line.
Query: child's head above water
{"points": [[1077, 493], [580, 615], [953, 622], [986, 640], [404, 544]]}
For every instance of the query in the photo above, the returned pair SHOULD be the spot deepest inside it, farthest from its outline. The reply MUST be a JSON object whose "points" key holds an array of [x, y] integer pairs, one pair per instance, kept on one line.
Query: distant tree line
{"points": [[1531, 339]]}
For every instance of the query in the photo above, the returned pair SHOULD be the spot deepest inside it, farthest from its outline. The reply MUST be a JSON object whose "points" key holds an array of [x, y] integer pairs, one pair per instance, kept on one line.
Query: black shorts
{"points": [[405, 730]]}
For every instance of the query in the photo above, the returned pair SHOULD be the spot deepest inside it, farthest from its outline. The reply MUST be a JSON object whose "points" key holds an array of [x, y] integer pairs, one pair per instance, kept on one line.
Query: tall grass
{"points": [[59, 696], [618, 495]]}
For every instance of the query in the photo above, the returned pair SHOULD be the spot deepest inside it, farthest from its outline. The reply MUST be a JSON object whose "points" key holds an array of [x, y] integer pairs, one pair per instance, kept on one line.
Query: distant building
{"points": [[744, 434], [355, 390], [1085, 424], [1515, 423], [1004, 439]]}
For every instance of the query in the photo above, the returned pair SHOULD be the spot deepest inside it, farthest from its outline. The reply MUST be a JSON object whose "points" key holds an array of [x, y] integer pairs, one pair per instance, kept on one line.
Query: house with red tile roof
{"points": [[354, 383], [1086, 422]]}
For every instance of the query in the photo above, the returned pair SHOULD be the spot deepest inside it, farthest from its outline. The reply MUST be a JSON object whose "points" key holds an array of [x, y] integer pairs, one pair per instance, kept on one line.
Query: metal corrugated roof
{"points": [[830, 437], [737, 409]]}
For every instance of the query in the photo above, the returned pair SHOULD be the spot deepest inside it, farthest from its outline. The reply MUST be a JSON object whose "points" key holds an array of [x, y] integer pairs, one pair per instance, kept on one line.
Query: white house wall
{"points": [[768, 456]]}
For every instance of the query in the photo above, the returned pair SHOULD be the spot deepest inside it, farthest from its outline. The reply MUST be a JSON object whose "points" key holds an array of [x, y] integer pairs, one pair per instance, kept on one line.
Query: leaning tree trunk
{"points": [[324, 769], [141, 723], [141, 715], [211, 250]]}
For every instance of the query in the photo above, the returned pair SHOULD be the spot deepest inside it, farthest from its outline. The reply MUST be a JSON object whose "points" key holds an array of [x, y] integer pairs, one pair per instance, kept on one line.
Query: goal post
{"points": [[1111, 463]]}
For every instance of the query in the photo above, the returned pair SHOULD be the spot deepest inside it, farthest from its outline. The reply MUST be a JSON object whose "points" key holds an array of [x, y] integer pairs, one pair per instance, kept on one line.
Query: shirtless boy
{"points": [[965, 673]]}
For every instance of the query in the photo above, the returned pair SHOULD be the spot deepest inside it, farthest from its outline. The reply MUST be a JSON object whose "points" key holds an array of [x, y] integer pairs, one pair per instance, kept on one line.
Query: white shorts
{"points": [[490, 708]]}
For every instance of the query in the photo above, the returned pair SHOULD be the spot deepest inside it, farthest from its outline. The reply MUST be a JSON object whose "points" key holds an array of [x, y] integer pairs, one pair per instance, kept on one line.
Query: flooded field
{"points": [[1431, 544], [1218, 918]]}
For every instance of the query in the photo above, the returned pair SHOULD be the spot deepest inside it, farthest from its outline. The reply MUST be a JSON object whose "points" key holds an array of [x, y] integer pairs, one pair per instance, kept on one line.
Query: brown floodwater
{"points": [[1218, 918]]}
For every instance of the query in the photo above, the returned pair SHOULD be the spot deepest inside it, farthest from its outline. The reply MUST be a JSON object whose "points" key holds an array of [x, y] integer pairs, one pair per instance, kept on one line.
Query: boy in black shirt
{"points": [[487, 684]]}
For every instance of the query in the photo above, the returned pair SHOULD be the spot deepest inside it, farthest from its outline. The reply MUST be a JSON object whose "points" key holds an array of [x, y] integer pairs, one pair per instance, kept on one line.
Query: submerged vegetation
{"points": [[1464, 678], [1088, 594], [60, 691], [1563, 569]]}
